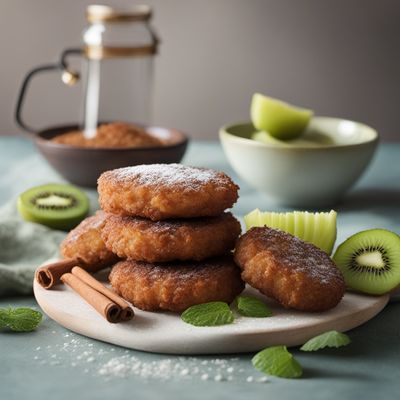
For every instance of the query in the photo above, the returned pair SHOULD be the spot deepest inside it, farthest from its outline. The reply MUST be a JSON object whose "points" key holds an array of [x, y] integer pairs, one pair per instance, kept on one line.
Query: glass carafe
{"points": [[117, 68]]}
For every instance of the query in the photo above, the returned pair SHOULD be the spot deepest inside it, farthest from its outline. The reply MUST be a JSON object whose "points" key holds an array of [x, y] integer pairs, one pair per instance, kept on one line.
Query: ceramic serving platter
{"points": [[163, 332]]}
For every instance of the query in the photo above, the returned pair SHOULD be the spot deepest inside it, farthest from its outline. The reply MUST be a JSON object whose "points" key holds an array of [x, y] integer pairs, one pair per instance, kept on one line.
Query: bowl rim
{"points": [[224, 132], [39, 140]]}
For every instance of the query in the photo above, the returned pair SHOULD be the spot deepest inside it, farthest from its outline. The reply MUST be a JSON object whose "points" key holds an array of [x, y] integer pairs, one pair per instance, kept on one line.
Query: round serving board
{"points": [[163, 332]]}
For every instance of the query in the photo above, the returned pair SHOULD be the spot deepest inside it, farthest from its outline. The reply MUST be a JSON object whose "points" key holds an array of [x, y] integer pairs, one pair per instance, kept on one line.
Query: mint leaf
{"points": [[327, 339], [277, 361], [22, 319], [208, 314], [252, 307]]}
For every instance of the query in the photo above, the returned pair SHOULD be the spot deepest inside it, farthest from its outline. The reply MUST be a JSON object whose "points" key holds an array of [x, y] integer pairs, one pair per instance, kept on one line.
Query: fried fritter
{"points": [[162, 191], [176, 286], [295, 273], [181, 239], [85, 242]]}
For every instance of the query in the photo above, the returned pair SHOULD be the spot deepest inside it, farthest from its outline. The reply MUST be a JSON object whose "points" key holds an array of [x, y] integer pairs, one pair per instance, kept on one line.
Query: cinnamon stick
{"points": [[126, 310], [102, 304], [49, 275]]}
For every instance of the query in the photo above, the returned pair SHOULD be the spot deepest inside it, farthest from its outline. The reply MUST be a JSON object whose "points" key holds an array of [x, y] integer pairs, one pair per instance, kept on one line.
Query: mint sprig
{"points": [[208, 314], [277, 361], [327, 339], [21, 319], [252, 307]]}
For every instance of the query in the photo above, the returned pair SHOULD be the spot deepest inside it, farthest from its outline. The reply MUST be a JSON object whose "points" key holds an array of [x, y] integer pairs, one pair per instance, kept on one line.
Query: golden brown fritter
{"points": [[295, 273], [85, 242], [180, 239], [176, 286], [162, 191]]}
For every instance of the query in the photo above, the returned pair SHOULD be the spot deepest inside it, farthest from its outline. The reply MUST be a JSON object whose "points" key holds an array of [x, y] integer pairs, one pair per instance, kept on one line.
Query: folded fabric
{"points": [[23, 247]]}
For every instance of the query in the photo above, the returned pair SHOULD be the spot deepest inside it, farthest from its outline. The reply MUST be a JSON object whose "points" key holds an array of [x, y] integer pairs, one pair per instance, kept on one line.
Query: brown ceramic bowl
{"points": [[82, 166]]}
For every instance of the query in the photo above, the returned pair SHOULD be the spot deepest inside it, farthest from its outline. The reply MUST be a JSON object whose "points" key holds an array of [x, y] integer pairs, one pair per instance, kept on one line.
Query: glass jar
{"points": [[119, 49]]}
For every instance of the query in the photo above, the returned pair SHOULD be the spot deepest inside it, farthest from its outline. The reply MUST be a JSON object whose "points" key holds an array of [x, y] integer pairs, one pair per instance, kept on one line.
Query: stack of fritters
{"points": [[84, 243], [168, 222]]}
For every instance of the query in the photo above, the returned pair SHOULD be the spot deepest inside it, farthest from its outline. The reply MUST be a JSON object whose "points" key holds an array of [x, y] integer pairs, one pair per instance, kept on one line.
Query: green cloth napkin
{"points": [[23, 247]]}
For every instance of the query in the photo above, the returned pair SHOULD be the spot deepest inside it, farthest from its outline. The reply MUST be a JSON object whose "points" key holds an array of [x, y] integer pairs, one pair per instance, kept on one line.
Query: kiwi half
{"points": [[57, 206], [370, 261], [317, 228]]}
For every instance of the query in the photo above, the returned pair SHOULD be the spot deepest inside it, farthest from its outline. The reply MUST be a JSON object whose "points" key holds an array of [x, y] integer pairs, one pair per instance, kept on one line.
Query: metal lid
{"points": [[102, 13]]}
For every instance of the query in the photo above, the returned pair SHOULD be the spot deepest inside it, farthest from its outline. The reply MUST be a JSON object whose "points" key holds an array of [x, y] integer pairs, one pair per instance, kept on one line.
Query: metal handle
{"points": [[68, 77]]}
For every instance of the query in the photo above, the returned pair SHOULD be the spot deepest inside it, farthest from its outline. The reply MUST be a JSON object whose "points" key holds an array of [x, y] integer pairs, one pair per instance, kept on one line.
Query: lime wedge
{"points": [[265, 137], [281, 120]]}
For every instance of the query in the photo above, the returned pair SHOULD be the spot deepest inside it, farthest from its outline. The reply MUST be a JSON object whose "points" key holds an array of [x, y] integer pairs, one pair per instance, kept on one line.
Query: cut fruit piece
{"points": [[265, 137], [307, 139], [55, 205], [330, 226], [316, 228], [370, 261], [300, 219], [281, 120], [310, 225]]}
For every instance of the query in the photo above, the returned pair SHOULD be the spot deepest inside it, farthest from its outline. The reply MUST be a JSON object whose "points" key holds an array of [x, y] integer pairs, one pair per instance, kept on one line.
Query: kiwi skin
{"points": [[370, 261], [56, 217]]}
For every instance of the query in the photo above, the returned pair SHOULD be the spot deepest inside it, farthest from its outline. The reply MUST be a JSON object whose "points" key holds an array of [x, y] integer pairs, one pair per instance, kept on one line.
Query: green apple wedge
{"points": [[317, 228], [265, 137], [281, 120]]}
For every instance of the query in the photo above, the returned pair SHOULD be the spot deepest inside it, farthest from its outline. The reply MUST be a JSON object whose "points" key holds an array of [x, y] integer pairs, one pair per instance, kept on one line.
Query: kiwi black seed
{"points": [[370, 261], [57, 206]]}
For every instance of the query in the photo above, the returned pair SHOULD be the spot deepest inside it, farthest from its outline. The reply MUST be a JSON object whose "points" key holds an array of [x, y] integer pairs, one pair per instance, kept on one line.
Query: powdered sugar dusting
{"points": [[187, 368], [111, 363], [95, 222], [297, 255], [171, 175]]}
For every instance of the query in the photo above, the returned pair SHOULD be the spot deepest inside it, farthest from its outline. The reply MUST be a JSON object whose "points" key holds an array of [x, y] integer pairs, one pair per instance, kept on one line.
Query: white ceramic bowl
{"points": [[313, 171]]}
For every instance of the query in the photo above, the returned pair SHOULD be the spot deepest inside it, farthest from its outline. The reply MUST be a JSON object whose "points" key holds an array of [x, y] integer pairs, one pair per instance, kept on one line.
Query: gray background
{"points": [[340, 58]]}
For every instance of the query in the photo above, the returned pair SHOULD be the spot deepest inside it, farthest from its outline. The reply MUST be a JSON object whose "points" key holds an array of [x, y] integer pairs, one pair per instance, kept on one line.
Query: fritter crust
{"points": [[181, 239], [162, 191], [85, 242], [295, 273], [176, 286]]}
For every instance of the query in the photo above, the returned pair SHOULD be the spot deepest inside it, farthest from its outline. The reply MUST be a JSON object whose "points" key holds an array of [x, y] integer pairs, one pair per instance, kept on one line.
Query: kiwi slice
{"points": [[57, 206], [370, 261], [317, 228]]}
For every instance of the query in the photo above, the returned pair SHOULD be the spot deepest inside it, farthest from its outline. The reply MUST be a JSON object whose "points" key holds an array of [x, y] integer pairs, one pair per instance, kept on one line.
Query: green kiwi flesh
{"points": [[370, 261], [58, 206]]}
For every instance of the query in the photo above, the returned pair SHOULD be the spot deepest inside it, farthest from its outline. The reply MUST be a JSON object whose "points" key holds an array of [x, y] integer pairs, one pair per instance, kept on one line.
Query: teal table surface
{"points": [[53, 363]]}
